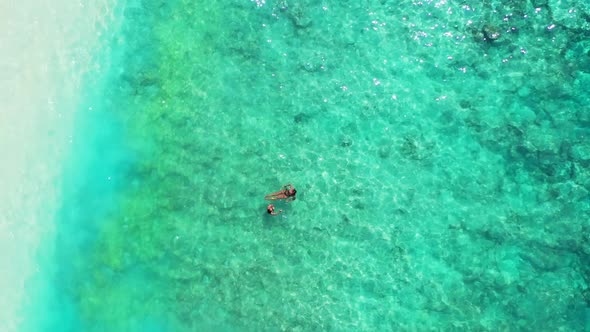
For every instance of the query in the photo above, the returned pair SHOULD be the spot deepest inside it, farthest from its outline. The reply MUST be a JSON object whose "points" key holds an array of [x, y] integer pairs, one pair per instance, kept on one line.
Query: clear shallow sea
{"points": [[440, 151]]}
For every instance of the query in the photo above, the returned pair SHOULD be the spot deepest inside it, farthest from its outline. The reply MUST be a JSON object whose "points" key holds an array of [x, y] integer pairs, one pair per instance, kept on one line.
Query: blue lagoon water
{"points": [[439, 150]]}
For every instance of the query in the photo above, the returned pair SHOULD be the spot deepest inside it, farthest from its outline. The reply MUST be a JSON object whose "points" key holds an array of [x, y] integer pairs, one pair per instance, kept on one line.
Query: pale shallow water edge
{"points": [[49, 54]]}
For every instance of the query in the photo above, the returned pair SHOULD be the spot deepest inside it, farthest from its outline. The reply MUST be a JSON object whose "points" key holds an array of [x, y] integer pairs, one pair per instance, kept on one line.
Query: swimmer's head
{"points": [[270, 208]]}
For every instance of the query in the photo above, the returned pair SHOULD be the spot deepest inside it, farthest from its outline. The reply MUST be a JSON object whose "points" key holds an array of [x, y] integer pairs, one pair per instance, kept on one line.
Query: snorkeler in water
{"points": [[287, 193]]}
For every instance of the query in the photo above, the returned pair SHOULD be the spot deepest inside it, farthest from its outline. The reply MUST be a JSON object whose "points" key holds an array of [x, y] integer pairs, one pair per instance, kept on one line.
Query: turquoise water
{"points": [[439, 150]]}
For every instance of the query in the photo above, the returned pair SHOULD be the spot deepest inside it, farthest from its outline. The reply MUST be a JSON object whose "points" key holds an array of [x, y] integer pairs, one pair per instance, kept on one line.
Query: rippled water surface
{"points": [[439, 149]]}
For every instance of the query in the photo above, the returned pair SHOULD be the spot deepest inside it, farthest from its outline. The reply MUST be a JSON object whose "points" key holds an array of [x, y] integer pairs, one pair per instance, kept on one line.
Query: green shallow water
{"points": [[442, 178]]}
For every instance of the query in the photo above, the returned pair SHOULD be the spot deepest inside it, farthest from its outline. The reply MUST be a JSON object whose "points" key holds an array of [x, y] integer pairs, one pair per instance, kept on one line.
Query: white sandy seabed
{"points": [[50, 52]]}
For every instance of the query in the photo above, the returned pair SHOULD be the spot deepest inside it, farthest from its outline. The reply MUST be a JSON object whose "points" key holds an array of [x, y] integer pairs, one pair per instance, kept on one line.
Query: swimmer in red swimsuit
{"points": [[287, 193]]}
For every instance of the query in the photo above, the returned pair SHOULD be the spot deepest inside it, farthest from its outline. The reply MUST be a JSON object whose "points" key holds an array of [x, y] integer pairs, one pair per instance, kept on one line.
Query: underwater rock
{"points": [[312, 61], [573, 14], [539, 138], [282, 5], [582, 175], [358, 204], [312, 66], [581, 151], [521, 152], [346, 218], [543, 258], [384, 151], [582, 83], [491, 32], [415, 150], [346, 142], [465, 104], [578, 58], [570, 191], [539, 3], [301, 118], [298, 16]]}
